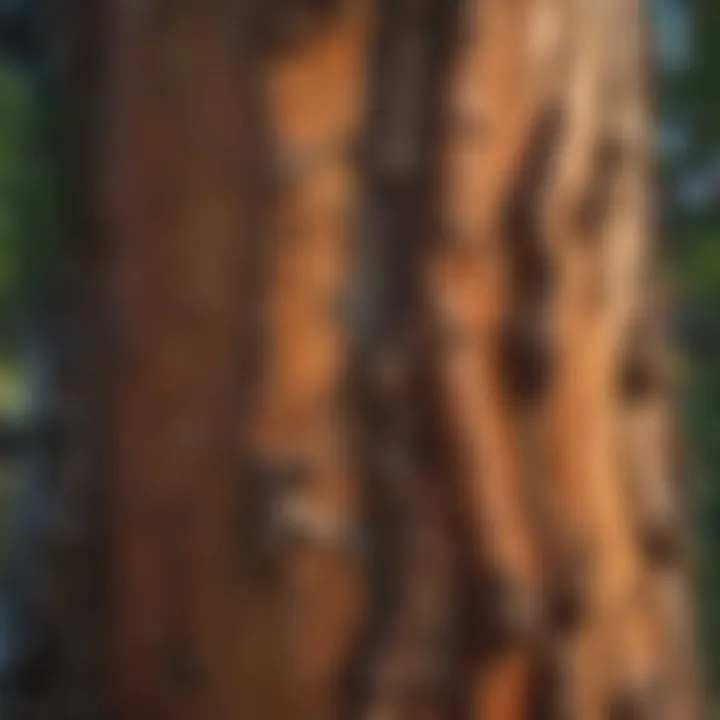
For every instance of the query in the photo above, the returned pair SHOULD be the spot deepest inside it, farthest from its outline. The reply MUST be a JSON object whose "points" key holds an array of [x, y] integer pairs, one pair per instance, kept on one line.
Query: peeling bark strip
{"points": [[471, 285], [598, 217], [313, 69], [595, 248]]}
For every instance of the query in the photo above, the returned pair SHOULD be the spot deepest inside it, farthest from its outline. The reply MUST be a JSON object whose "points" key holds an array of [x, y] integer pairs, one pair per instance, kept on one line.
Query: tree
{"points": [[379, 430]]}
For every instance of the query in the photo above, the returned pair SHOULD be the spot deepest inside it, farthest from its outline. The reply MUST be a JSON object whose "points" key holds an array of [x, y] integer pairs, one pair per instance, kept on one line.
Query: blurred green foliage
{"points": [[690, 96], [698, 268], [16, 148]]}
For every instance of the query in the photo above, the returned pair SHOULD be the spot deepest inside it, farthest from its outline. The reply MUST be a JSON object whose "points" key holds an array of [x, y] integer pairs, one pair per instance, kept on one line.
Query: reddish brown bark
{"points": [[425, 502]]}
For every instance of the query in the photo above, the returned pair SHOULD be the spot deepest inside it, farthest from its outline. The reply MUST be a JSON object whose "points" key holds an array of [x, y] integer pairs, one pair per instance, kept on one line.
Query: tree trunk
{"points": [[384, 417]]}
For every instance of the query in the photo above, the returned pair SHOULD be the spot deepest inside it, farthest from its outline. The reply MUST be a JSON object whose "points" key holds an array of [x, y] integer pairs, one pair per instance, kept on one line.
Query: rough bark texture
{"points": [[384, 426]]}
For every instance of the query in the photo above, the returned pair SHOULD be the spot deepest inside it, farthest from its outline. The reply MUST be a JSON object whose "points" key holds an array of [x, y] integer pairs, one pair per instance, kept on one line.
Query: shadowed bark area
{"points": [[178, 172], [407, 658]]}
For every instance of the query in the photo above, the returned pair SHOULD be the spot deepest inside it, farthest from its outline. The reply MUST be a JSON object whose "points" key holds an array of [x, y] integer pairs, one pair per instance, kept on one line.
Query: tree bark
{"points": [[382, 409]]}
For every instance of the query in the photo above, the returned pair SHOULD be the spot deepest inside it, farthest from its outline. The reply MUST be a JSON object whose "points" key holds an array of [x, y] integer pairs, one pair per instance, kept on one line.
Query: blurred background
{"points": [[687, 55]]}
